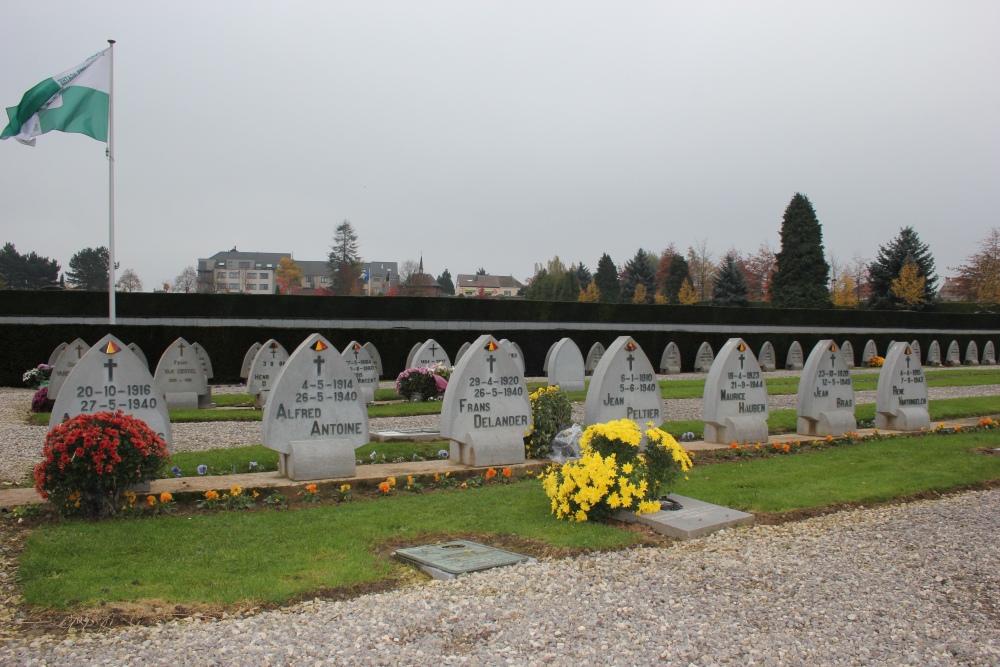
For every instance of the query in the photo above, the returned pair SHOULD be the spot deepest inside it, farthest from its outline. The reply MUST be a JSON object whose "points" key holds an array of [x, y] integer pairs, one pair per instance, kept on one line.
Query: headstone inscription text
{"points": [[870, 351], [180, 376], [515, 353], [734, 404], [847, 349], [901, 397], [826, 393], [430, 354], [703, 360], [364, 369], [767, 358], [267, 363], [794, 358], [69, 358], [670, 362], [624, 386]]}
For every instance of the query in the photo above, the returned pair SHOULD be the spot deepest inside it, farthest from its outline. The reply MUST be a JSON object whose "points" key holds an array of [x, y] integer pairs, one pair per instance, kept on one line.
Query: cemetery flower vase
{"points": [[416, 397]]}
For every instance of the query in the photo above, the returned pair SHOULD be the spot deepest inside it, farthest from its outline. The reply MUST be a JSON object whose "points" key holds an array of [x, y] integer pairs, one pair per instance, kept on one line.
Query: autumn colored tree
{"points": [[892, 257], [639, 296], [591, 294], [844, 292], [701, 268], [663, 268], [757, 270], [288, 275], [909, 286], [979, 277], [686, 295]]}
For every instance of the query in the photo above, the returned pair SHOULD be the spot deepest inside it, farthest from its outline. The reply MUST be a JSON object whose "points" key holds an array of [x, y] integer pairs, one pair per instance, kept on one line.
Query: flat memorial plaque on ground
{"points": [[109, 378], [69, 358], [934, 354], [180, 376], [430, 354], [901, 397], [703, 360], [486, 410], [870, 352], [364, 369], [767, 358], [989, 353], [565, 366], [972, 354], [450, 559], [593, 358], [847, 349], [267, 363], [315, 416], [695, 519], [55, 353], [624, 386], [248, 361], [137, 351], [793, 360], [515, 353], [734, 405], [670, 361], [826, 393], [376, 357], [953, 358]]}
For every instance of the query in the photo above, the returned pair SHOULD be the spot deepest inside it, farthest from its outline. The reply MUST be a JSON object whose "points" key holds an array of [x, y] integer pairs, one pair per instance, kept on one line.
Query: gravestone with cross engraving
{"points": [[593, 358], [565, 366], [953, 357], [915, 346], [69, 358], [55, 353], [934, 354], [180, 376], [137, 351], [515, 353], [767, 358], [248, 361], [901, 397], [847, 349], [793, 360], [704, 359], [734, 405], [486, 411], [430, 354], [972, 354], [624, 386], [870, 351], [412, 354], [365, 372], [989, 354], [204, 400], [315, 416], [670, 361], [826, 393], [264, 370], [462, 350], [109, 378], [376, 357]]}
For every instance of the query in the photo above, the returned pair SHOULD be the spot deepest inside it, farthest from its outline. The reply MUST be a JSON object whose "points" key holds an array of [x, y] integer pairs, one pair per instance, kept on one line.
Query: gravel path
{"points": [[912, 584]]}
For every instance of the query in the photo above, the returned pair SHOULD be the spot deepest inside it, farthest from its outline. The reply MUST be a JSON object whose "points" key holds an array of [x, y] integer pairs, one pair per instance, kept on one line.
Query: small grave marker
{"points": [[267, 363], [826, 393], [180, 376], [989, 354], [55, 353], [695, 518], [793, 360], [448, 560], [703, 360], [315, 416], [871, 350], [972, 354], [364, 369], [847, 349], [430, 354], [624, 386], [767, 358], [901, 398], [412, 354], [462, 350], [376, 357], [565, 366], [70, 357], [934, 354], [204, 400], [670, 361], [248, 361], [915, 346], [953, 358], [515, 353], [137, 351], [548, 353], [734, 405], [486, 410], [593, 358]]}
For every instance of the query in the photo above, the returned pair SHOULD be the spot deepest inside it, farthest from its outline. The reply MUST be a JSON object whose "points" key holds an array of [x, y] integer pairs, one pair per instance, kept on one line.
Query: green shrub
{"points": [[551, 412]]}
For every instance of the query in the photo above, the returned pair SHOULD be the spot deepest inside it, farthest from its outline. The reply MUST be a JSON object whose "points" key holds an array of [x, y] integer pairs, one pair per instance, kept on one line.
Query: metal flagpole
{"points": [[111, 186]]}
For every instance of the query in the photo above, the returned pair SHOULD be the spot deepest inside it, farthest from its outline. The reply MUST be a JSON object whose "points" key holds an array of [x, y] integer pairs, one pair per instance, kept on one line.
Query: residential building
{"points": [[239, 272], [421, 284], [506, 286]]}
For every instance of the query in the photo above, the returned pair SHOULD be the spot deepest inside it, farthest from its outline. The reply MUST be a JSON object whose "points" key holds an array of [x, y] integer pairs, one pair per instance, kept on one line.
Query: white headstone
{"points": [[847, 349], [953, 358], [515, 353], [989, 353], [55, 353], [767, 357], [206, 361], [69, 358], [545, 365], [363, 366], [670, 361], [703, 360], [734, 405], [826, 393], [315, 417], [462, 350], [901, 398], [248, 361], [180, 376], [871, 350], [972, 354], [915, 346], [109, 378], [412, 354], [376, 357], [486, 411], [565, 366], [430, 354], [793, 360], [268, 361], [593, 358], [934, 354], [137, 351], [624, 386]]}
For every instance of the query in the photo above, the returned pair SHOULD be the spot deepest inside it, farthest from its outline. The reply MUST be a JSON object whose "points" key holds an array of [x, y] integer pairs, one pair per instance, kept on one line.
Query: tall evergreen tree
{"points": [[890, 261], [583, 276], [638, 270], [800, 278], [730, 287], [675, 277], [606, 279], [344, 261], [446, 283], [88, 269], [30, 271]]}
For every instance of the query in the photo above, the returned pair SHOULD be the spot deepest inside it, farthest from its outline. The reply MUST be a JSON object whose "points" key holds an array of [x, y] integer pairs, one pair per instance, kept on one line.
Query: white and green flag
{"points": [[74, 101]]}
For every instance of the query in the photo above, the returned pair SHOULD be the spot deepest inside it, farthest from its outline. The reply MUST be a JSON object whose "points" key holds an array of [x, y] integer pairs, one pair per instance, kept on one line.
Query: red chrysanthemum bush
{"points": [[92, 460]]}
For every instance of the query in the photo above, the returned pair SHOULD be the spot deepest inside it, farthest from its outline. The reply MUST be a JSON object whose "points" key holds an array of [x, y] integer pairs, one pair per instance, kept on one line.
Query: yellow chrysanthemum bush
{"points": [[613, 473], [551, 412]]}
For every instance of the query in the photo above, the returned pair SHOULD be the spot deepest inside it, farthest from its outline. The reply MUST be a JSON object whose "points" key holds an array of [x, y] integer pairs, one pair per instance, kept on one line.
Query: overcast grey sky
{"points": [[499, 134]]}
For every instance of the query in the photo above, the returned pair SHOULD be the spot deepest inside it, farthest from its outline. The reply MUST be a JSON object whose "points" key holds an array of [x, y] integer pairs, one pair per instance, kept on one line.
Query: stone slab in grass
{"points": [[696, 519], [406, 435], [447, 560]]}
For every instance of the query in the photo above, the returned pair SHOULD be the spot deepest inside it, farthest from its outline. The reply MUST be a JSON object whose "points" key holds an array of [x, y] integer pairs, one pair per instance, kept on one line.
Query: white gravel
{"points": [[914, 584]]}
